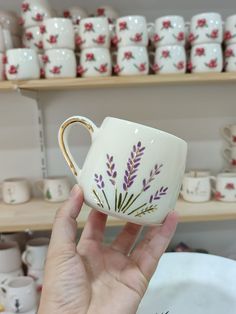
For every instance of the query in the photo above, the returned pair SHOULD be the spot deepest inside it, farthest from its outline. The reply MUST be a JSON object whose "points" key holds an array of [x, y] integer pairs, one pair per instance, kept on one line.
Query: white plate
{"points": [[191, 283]]}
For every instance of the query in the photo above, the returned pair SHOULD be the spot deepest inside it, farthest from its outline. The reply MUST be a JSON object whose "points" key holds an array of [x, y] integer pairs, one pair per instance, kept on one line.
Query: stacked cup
{"points": [[206, 36], [230, 44], [168, 37], [229, 134], [131, 38], [34, 258], [93, 38]]}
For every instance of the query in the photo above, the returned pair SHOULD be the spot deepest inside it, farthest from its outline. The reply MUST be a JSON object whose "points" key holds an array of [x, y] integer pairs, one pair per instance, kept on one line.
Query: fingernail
{"points": [[74, 191]]}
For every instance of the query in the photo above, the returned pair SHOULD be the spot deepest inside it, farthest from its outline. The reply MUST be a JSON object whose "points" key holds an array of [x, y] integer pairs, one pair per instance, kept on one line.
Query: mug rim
{"points": [[54, 178], [206, 13], [20, 282], [227, 175], [147, 127], [38, 242], [169, 16], [15, 180], [131, 16], [8, 245]]}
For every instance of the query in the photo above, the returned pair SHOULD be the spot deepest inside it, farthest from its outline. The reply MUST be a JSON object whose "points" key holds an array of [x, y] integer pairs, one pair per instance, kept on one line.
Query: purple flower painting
{"points": [[125, 201]]}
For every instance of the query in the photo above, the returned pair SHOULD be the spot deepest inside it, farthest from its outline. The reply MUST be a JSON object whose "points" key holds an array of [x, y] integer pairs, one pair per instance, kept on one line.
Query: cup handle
{"points": [[150, 29], [226, 133], [213, 185], [26, 258], [63, 139], [226, 153], [3, 288]]}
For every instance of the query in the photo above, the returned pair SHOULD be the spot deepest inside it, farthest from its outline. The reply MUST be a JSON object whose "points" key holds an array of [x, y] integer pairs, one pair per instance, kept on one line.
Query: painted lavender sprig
{"points": [[147, 210], [111, 169], [132, 165], [153, 173], [101, 185], [158, 194]]}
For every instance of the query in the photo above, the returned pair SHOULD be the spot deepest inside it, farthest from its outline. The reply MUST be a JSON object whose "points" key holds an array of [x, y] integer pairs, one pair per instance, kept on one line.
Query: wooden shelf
{"points": [[106, 82], [39, 215]]}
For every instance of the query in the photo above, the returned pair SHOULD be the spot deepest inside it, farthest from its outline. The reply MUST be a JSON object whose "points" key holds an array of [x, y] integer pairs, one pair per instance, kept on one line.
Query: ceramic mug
{"points": [[225, 187], [230, 58], [35, 254], [7, 39], [95, 62], [34, 12], [22, 64], [15, 191], [229, 134], [58, 33], [230, 30], [94, 32], [60, 63], [9, 20], [170, 59], [206, 58], [206, 28], [76, 14], [109, 12], [20, 294], [4, 277], [229, 154], [9, 257], [2, 66], [19, 237], [169, 30], [33, 38], [138, 179], [55, 189], [131, 60], [196, 188]]}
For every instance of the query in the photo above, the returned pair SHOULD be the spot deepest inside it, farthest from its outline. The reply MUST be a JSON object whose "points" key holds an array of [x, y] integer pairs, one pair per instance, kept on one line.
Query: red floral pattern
{"points": [[38, 17], [117, 69], [4, 59], [53, 39], [180, 65], [101, 12], [45, 59], [200, 52], [88, 27], [128, 55], [190, 66], [166, 24], [165, 54], [218, 196], [180, 36], [192, 37], [13, 69], [42, 73], [201, 23], [90, 56], [102, 69], [229, 53], [42, 29], [115, 40], [141, 67], [56, 69], [138, 37], [156, 68], [214, 34], [39, 45], [100, 40], [21, 21], [79, 41], [29, 36], [228, 35], [67, 14], [123, 26], [81, 70], [212, 64], [230, 186], [157, 38], [233, 162], [25, 7]]}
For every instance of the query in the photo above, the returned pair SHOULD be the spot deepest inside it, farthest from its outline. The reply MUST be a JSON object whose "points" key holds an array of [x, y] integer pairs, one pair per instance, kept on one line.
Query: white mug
{"points": [[22, 64], [35, 254], [34, 12], [109, 12], [58, 33], [16, 191], [229, 154], [169, 30], [94, 32], [20, 294], [132, 60], [33, 38], [60, 63], [206, 28], [19, 237], [206, 58], [225, 189], [170, 59], [95, 62], [76, 14], [4, 277], [138, 179], [131, 31], [196, 188], [2, 66], [229, 134], [230, 58], [230, 30], [55, 189], [10, 260]]}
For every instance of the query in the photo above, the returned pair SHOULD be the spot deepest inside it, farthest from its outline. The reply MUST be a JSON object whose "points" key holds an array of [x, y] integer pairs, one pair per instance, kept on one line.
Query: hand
{"points": [[89, 277]]}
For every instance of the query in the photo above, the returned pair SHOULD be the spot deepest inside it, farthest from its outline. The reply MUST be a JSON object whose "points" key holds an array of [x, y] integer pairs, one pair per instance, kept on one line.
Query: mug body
{"points": [[60, 63], [230, 58], [138, 179], [230, 30], [58, 33], [34, 12], [226, 187], [16, 191], [230, 155], [132, 31], [22, 64], [33, 38], [206, 28], [169, 30], [95, 62], [56, 189], [206, 58], [10, 257], [35, 253], [132, 60], [229, 133], [170, 59], [94, 32], [196, 189]]}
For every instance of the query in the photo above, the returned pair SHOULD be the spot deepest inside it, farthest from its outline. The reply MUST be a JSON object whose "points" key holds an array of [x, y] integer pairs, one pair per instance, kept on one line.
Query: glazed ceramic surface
{"points": [[230, 58], [229, 133], [230, 30], [136, 179], [35, 253], [225, 187], [191, 283], [15, 191]]}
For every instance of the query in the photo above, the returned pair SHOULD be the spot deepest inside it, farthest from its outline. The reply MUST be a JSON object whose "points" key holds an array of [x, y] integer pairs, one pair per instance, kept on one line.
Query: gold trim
{"points": [[63, 127]]}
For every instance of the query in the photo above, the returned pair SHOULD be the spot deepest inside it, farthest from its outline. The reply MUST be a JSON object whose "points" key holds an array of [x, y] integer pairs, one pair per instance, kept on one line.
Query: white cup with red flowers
{"points": [[169, 30], [230, 30], [230, 58], [206, 28], [22, 64], [225, 187], [206, 58], [229, 134], [59, 63], [93, 32], [2, 66], [58, 33], [33, 38], [95, 62], [109, 12], [76, 14], [34, 12], [131, 31], [229, 153], [169, 59], [131, 60]]}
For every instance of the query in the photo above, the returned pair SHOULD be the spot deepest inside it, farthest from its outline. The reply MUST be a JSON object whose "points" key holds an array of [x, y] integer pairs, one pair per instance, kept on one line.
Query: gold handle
{"points": [[62, 138]]}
